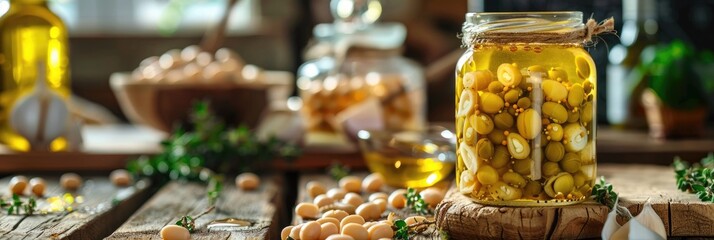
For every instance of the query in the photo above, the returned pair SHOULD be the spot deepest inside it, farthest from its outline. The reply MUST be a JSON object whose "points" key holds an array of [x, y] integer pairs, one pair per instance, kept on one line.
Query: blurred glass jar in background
{"points": [[357, 78]]}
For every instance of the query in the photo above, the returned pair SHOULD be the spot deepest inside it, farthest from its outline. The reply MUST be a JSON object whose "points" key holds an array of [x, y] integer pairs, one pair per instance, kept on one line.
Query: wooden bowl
{"points": [[162, 106]]}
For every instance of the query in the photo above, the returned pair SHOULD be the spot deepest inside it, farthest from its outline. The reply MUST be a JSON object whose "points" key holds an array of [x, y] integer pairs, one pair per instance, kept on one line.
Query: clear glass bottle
{"points": [[623, 90], [363, 63], [525, 110], [31, 33]]}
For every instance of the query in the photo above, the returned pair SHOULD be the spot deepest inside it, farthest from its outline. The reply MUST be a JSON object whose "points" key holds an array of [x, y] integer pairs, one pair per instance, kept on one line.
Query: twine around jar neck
{"points": [[583, 35]]}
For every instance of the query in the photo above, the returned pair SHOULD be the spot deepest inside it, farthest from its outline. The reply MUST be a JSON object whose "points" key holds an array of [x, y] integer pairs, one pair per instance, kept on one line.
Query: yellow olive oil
{"points": [[406, 171], [30, 33]]}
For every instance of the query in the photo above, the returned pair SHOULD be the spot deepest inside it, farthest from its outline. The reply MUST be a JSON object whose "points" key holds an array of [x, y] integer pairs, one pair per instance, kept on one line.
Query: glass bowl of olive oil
{"points": [[410, 158]]}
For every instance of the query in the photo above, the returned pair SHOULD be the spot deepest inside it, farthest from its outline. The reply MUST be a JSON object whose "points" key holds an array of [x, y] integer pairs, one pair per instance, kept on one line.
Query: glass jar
{"points": [[357, 78], [394, 83], [525, 110]]}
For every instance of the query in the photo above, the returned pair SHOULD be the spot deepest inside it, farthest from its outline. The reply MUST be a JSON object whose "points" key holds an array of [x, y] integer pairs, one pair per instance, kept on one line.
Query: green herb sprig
{"points": [[210, 147], [338, 170], [416, 203], [189, 222], [404, 231], [602, 192], [697, 178], [17, 205]]}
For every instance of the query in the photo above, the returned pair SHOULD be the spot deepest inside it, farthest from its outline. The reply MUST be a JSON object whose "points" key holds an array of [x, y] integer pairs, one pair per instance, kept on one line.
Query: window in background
{"points": [[152, 17]]}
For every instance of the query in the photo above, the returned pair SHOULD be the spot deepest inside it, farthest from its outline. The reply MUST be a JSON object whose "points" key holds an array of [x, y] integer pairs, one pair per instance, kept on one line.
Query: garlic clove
{"points": [[641, 231], [647, 224], [622, 233], [611, 225]]}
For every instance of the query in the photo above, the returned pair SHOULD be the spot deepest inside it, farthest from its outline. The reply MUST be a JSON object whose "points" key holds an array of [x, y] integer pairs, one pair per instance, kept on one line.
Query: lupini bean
{"points": [[500, 157], [307, 210], [174, 232], [336, 193], [351, 184], [522, 166], [315, 188], [285, 232], [487, 175], [70, 181], [328, 229], [369, 211], [514, 179], [529, 124], [336, 214], [357, 231], [503, 121], [310, 231], [483, 78], [377, 195], [484, 148], [382, 203], [356, 219], [555, 112], [558, 74], [340, 237], [490, 103], [554, 151], [37, 186], [495, 87], [323, 200], [247, 181], [380, 230], [353, 199], [397, 199], [482, 123], [432, 196], [120, 177], [18, 185], [373, 182]]}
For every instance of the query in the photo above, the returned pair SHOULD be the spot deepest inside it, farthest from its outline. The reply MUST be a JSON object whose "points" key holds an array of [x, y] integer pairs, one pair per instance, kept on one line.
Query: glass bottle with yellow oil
{"points": [[31, 37]]}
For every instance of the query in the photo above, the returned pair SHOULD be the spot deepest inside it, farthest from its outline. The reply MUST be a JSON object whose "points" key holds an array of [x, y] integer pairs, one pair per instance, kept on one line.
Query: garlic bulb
{"points": [[41, 115]]}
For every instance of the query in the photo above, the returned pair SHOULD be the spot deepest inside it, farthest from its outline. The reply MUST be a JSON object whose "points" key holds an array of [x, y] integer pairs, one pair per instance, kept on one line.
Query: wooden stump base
{"points": [[463, 219], [682, 213]]}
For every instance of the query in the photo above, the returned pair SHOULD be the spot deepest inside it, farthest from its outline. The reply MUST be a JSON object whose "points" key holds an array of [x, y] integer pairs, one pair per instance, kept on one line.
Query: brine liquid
{"points": [[408, 171], [538, 157], [31, 33]]}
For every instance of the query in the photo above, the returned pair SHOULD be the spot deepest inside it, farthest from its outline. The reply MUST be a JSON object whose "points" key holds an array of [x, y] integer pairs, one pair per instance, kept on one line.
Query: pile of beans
{"points": [[342, 213]]}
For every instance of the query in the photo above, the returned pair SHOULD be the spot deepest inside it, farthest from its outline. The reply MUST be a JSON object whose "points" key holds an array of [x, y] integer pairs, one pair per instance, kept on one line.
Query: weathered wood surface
{"points": [[176, 199], [329, 182], [104, 209], [682, 213]]}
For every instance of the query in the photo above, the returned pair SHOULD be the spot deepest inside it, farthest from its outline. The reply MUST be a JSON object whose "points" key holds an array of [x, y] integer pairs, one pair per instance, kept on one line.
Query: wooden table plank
{"points": [[105, 208], [329, 182], [177, 199], [682, 213]]}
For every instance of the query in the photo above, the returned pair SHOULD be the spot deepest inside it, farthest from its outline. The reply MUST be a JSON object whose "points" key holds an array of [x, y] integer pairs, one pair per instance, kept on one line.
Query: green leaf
{"points": [[698, 188], [400, 223]]}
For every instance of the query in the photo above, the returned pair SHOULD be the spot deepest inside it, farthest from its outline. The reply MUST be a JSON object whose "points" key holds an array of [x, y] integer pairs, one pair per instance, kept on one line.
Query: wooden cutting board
{"points": [[683, 214]]}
